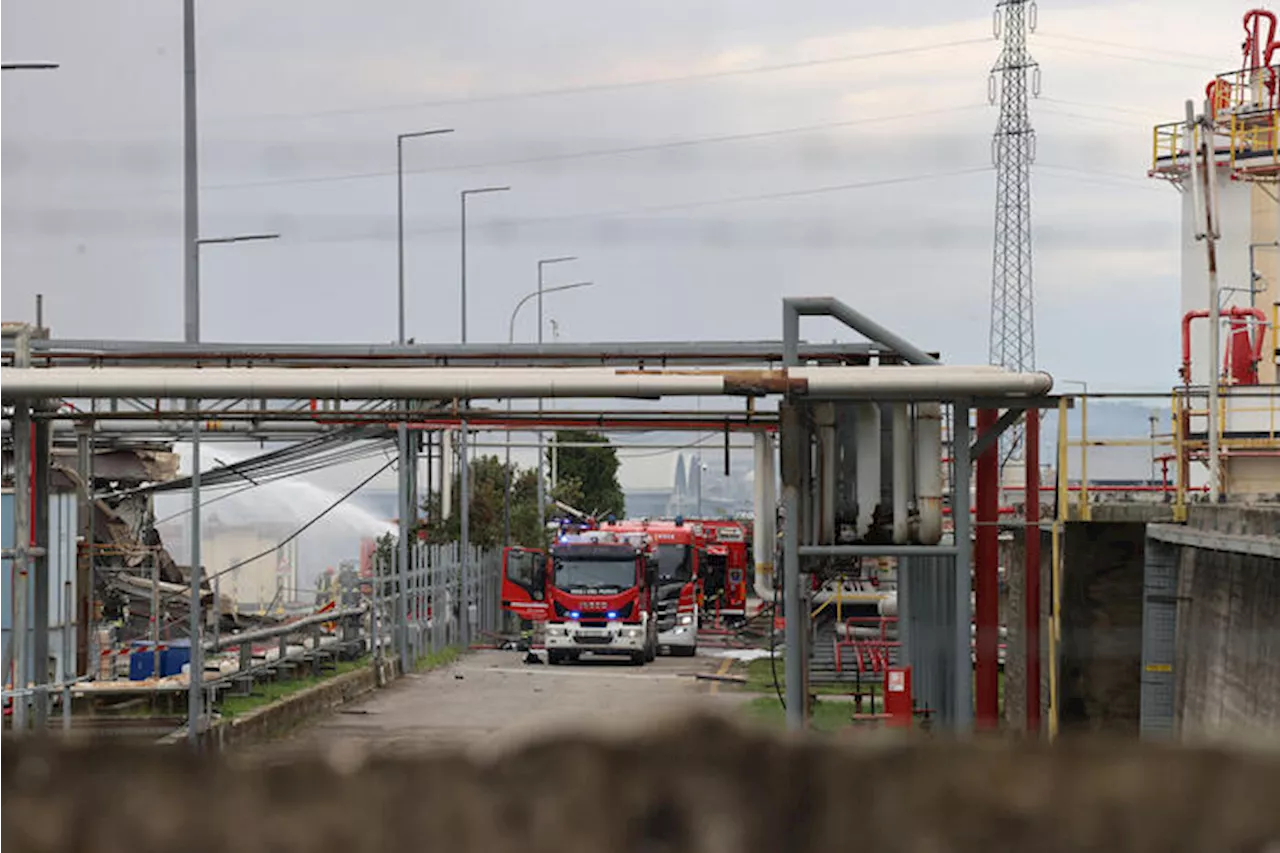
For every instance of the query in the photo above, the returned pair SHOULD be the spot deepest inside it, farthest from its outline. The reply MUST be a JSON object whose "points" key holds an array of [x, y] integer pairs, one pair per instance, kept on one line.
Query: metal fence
{"points": [[439, 601]]}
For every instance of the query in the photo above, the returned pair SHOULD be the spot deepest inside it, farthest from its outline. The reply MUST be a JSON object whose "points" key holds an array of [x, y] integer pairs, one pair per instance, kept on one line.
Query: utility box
{"points": [[897, 696]]}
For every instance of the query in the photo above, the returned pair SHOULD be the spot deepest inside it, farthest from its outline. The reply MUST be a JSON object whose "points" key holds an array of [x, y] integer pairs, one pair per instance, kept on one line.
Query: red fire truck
{"points": [[594, 594], [725, 569], [676, 548]]}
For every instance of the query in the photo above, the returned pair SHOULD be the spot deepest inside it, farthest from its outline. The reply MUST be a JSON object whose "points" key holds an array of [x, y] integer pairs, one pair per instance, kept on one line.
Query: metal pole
{"points": [[1215, 319], [41, 598], [84, 567], [1031, 582], [191, 280], [793, 609], [68, 650], [400, 631], [542, 489], [962, 713], [465, 556], [987, 578], [155, 614], [21, 540], [400, 239], [463, 264]]}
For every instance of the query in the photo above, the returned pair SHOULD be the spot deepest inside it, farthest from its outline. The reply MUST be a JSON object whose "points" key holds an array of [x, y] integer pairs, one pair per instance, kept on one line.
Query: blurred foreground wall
{"points": [[703, 786]]}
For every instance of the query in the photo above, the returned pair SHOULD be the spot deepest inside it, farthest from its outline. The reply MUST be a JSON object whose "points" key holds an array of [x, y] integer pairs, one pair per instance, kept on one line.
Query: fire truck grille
{"points": [[589, 640]]}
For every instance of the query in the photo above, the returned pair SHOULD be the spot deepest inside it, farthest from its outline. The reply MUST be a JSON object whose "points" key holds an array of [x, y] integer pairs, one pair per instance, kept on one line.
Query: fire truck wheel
{"points": [[685, 651], [554, 658], [638, 658]]}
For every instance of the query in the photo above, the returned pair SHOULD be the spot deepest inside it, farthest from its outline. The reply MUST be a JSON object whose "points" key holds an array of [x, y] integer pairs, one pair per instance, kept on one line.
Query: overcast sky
{"points": [[859, 169]]}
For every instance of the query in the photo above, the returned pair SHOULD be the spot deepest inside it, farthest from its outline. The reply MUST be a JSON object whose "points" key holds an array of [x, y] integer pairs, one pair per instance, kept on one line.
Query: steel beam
{"points": [[990, 434]]}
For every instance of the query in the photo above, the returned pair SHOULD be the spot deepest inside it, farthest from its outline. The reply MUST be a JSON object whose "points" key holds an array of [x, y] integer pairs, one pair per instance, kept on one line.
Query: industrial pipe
{"points": [[901, 473], [448, 383], [1235, 312], [764, 533], [867, 433], [928, 449]]}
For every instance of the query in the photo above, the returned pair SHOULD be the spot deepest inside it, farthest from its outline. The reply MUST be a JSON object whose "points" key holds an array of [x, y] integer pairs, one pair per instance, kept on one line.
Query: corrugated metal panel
{"points": [[63, 529], [1159, 637]]}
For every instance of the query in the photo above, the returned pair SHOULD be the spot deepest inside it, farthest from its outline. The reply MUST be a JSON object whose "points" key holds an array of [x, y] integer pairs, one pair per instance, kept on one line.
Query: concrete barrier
{"points": [[702, 785], [277, 718]]}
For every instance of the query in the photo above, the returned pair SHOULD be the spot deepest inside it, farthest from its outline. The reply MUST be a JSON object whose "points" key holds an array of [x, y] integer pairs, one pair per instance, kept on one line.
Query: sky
{"points": [[703, 158]]}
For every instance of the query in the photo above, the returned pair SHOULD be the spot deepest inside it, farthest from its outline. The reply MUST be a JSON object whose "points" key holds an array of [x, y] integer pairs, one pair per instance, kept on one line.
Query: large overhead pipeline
{"points": [[447, 383]]}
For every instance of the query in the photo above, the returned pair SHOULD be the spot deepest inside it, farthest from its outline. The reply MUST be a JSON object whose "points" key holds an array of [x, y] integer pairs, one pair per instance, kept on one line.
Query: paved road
{"points": [[491, 700]]}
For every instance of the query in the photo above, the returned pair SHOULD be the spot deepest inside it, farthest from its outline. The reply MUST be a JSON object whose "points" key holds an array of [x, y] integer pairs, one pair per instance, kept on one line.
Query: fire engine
{"points": [[675, 547], [593, 594], [725, 569]]}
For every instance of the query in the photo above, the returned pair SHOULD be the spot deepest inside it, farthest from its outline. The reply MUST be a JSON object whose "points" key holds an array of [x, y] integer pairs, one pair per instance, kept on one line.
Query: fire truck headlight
{"points": [[555, 631], [686, 619], [631, 633]]}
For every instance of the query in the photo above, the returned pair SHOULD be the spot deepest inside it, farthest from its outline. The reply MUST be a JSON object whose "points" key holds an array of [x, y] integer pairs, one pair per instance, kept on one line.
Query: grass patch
{"points": [[826, 717], [265, 694], [435, 660], [759, 675]]}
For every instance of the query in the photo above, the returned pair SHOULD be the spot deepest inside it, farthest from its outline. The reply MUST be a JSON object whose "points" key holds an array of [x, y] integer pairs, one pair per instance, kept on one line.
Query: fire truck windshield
{"points": [[598, 575], [674, 563]]}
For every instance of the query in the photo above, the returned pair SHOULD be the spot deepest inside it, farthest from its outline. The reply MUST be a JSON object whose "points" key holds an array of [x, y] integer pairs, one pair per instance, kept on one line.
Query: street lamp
{"points": [[464, 195], [542, 491], [464, 466], [195, 696], [239, 238], [400, 138], [511, 338], [28, 66]]}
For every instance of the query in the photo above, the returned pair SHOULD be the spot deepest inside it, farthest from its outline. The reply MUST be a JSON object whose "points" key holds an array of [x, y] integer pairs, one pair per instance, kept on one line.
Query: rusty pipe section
{"points": [[447, 383]]}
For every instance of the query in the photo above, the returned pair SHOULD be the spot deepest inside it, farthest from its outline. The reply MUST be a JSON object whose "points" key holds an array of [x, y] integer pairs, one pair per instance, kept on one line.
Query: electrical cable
{"points": [[590, 153], [295, 534], [604, 87]]}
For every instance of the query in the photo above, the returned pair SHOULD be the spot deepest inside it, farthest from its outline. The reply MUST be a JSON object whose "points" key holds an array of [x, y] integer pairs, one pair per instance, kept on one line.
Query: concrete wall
{"points": [[1228, 672], [734, 791], [1102, 626]]}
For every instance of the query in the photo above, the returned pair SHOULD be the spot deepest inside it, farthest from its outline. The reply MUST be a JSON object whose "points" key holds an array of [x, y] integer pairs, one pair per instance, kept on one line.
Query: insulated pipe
{"points": [[901, 473], [866, 424], [446, 473], [824, 416], [928, 449], [764, 525], [448, 383]]}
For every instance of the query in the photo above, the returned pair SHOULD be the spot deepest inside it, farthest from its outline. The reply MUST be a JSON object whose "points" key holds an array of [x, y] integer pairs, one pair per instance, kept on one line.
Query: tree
{"points": [[594, 469], [488, 483]]}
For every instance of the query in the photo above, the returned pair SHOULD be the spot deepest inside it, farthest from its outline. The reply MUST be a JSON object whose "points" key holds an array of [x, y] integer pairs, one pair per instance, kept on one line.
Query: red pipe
{"points": [[987, 578], [1031, 582], [1235, 312]]}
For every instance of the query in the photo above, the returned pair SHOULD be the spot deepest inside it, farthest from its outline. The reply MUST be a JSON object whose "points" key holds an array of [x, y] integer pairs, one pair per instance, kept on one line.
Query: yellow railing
{"points": [[1168, 144], [1255, 144], [1244, 90]]}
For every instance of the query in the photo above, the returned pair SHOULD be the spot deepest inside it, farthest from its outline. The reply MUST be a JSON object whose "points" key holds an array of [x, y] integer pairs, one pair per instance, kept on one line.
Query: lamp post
{"points": [[195, 696], [407, 473], [464, 466], [511, 338], [400, 138], [542, 489], [464, 195]]}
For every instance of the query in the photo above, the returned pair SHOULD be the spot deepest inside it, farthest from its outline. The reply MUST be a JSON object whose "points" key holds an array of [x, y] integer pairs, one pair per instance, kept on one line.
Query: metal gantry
{"points": [[1013, 149]]}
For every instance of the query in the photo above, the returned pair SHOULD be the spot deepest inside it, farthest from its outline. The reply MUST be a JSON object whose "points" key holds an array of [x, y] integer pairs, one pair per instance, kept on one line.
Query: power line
{"points": [[689, 205], [604, 87], [591, 153], [1149, 60], [1162, 49]]}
